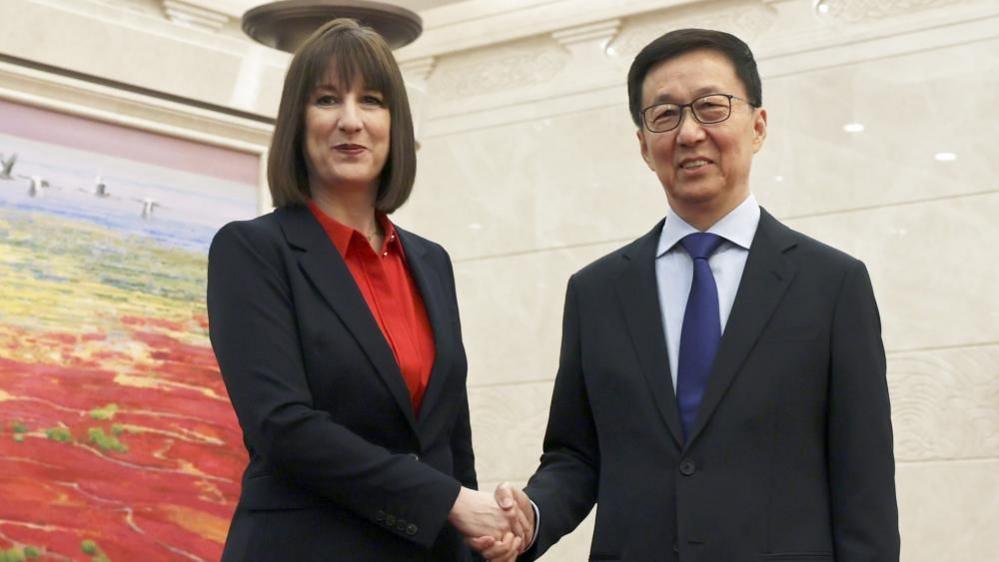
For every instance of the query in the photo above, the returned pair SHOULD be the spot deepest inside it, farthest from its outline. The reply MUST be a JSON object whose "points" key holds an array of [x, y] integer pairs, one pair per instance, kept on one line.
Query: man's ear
{"points": [[759, 129], [644, 147]]}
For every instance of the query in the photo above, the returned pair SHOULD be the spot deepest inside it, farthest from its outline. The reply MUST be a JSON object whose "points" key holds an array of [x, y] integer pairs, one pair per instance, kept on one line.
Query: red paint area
{"points": [[169, 496]]}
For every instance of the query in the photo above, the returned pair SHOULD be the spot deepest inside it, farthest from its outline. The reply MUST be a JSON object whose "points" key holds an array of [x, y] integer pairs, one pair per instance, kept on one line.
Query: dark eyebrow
{"points": [[703, 91], [662, 98]]}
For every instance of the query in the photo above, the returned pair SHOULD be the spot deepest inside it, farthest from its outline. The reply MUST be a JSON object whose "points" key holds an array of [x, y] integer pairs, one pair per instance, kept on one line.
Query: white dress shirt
{"points": [[675, 269]]}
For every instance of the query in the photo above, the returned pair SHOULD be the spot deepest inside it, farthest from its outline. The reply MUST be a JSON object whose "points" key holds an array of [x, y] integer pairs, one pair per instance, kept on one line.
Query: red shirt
{"points": [[392, 297]]}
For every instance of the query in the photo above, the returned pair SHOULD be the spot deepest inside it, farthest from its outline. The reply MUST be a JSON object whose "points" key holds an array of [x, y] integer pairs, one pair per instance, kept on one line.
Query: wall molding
{"points": [[601, 32], [418, 69], [133, 43], [194, 15], [789, 37], [480, 23]]}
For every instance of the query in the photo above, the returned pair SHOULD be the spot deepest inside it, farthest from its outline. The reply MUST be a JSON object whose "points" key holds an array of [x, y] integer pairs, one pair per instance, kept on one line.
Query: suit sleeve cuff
{"points": [[537, 525]]}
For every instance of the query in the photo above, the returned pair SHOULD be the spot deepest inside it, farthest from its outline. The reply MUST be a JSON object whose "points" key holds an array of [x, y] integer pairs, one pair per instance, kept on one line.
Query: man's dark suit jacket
{"points": [[340, 467], [790, 458]]}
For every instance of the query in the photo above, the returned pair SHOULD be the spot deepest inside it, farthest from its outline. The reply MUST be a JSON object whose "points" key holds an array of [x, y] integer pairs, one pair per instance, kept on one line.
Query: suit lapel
{"points": [[328, 273], [767, 276], [637, 290], [429, 284]]}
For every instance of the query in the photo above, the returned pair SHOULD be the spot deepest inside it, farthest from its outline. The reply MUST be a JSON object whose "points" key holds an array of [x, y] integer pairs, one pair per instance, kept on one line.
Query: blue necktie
{"points": [[701, 329]]}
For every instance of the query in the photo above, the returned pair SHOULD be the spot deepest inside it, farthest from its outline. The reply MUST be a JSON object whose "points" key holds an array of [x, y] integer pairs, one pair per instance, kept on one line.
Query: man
{"points": [[721, 390]]}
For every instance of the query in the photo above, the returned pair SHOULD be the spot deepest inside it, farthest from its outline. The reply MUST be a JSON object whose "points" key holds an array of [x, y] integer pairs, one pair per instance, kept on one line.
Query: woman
{"points": [[337, 334]]}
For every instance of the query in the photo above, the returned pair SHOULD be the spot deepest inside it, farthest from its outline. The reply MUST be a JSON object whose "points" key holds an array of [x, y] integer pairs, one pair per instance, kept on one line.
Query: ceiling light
{"points": [[945, 156], [854, 127]]}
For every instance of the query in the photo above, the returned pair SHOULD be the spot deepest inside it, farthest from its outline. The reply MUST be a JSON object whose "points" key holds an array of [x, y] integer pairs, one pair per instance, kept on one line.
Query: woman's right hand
{"points": [[476, 514], [494, 550]]}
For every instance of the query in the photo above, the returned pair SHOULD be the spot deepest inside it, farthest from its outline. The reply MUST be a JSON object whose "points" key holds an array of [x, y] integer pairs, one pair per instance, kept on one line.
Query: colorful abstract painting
{"points": [[117, 440]]}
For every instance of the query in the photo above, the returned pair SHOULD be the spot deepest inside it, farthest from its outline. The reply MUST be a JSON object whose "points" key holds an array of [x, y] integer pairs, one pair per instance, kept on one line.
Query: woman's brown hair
{"points": [[350, 51]]}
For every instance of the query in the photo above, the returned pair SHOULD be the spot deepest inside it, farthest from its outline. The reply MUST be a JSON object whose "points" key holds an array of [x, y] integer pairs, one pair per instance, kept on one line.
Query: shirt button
{"points": [[687, 467], [385, 254], [412, 529]]}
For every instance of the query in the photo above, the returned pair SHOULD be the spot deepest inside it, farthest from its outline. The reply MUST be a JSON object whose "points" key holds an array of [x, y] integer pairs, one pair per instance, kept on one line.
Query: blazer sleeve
{"points": [[565, 486], [461, 437], [254, 333], [461, 447], [860, 456]]}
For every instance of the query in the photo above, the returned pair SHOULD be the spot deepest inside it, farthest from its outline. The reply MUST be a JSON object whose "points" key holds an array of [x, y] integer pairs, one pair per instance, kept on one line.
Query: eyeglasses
{"points": [[707, 110]]}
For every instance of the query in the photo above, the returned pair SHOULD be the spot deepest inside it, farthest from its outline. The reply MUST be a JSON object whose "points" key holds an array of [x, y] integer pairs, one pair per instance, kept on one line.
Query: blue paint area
{"points": [[122, 218], [171, 208]]}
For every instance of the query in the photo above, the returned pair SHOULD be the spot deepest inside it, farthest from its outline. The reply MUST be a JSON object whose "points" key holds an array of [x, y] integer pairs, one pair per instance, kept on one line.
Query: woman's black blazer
{"points": [[340, 466]]}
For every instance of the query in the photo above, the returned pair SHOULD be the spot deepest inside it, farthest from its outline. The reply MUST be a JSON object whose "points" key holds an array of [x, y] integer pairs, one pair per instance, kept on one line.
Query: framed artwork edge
{"points": [[104, 103]]}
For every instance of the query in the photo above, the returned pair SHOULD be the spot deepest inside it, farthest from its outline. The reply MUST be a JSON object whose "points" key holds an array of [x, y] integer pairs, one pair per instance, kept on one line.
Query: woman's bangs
{"points": [[344, 59]]}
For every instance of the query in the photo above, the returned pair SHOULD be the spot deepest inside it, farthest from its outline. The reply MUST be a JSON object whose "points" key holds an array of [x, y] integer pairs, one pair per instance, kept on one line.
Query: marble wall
{"points": [[529, 169]]}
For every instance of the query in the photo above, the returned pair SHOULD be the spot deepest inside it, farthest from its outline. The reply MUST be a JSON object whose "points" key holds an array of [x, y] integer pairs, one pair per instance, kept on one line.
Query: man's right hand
{"points": [[519, 511]]}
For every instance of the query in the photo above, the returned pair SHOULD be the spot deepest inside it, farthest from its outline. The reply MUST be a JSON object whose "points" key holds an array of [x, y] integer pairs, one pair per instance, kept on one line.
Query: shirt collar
{"points": [[737, 227], [341, 234]]}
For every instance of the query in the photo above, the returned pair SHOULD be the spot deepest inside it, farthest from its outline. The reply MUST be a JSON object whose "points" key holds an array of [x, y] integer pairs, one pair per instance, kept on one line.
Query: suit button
{"points": [[687, 467], [380, 516], [411, 529], [400, 525], [415, 457], [390, 520], [676, 546]]}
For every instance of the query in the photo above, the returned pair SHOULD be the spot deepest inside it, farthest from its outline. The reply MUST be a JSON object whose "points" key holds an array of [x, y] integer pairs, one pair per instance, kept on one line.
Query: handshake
{"points": [[499, 526]]}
